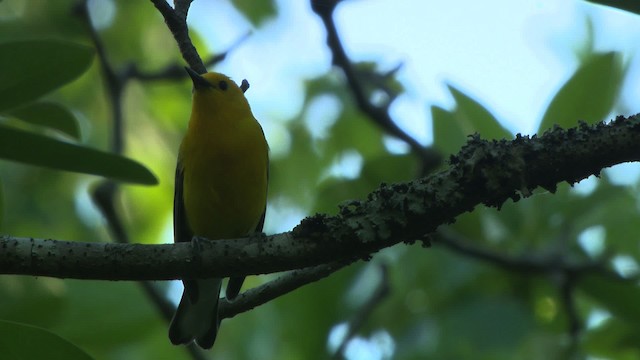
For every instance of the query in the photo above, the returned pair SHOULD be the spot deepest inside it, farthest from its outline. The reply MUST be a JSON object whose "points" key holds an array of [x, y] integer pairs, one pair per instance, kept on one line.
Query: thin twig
{"points": [[528, 263], [176, 71], [177, 24], [284, 284], [364, 313], [430, 158]]}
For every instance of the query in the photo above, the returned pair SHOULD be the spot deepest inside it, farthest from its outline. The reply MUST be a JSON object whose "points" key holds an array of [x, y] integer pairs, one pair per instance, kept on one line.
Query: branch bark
{"points": [[482, 172], [176, 21]]}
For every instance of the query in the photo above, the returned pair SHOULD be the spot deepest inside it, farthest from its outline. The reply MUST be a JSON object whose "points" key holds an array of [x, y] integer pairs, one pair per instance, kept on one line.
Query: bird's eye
{"points": [[223, 85]]}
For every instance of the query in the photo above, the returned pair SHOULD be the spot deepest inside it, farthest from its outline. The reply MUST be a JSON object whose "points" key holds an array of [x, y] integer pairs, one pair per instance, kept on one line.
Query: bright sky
{"points": [[510, 54]]}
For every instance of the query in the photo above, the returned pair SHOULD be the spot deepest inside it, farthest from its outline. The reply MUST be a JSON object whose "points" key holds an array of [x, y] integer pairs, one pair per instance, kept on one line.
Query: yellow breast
{"points": [[225, 176]]}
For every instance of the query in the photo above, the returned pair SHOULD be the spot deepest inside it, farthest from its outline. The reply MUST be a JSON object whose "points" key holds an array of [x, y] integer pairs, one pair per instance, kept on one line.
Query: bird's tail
{"points": [[197, 315]]}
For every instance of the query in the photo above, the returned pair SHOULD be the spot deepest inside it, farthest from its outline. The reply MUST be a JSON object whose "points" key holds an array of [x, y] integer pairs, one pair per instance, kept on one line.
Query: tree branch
{"points": [[175, 71], [177, 23], [379, 114], [482, 172], [276, 288]]}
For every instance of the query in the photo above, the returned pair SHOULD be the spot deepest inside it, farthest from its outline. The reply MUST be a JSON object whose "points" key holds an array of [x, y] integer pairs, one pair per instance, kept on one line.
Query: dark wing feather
{"points": [[181, 231]]}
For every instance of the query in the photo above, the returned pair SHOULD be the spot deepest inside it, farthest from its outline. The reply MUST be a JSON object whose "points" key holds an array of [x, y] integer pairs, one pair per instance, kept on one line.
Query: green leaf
{"points": [[1, 205], [484, 323], [473, 117], [448, 136], [35, 149], [255, 11], [19, 341], [628, 5], [451, 128], [612, 338], [589, 94], [620, 297], [30, 69], [48, 114]]}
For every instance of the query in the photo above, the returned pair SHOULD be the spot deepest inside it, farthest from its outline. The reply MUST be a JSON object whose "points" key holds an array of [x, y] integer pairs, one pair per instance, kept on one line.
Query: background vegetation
{"points": [[553, 276]]}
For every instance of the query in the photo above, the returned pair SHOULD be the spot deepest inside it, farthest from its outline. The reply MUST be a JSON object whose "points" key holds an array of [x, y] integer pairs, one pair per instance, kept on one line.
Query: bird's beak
{"points": [[198, 81]]}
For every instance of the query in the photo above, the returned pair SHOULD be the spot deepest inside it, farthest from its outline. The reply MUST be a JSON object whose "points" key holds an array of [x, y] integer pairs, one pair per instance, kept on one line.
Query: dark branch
{"points": [[175, 71], [379, 114], [177, 24], [113, 81], [276, 288], [482, 172]]}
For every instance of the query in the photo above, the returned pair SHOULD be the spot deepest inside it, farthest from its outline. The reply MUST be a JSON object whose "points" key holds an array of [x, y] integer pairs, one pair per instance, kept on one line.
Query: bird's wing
{"points": [[181, 230]]}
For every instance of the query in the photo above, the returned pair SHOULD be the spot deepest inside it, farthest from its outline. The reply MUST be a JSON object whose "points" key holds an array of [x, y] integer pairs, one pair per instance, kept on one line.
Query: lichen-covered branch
{"points": [[483, 172]]}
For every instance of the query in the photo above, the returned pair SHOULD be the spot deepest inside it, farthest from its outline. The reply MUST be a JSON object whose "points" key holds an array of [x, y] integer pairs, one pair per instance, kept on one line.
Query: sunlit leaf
{"points": [[255, 11], [48, 114], [19, 341], [35, 149], [589, 94], [448, 136], [474, 117], [30, 69], [451, 128]]}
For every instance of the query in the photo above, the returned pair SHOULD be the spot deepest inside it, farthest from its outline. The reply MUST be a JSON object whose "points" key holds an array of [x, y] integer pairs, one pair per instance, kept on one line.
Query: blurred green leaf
{"points": [[19, 341], [447, 133], [389, 168], [35, 149], [35, 301], [618, 296], [101, 303], [485, 325], [589, 94], [1, 204], [613, 337], [49, 114], [474, 117], [628, 5], [333, 192], [294, 175], [256, 11], [451, 128], [30, 69]]}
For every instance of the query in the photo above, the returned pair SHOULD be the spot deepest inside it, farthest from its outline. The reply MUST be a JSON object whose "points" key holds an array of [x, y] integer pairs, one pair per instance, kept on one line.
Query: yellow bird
{"points": [[220, 193]]}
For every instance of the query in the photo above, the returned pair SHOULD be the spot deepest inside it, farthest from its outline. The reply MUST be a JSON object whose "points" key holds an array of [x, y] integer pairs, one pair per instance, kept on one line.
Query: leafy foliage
{"points": [[48, 114], [18, 341], [34, 149], [31, 69], [589, 95], [256, 12], [443, 303]]}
